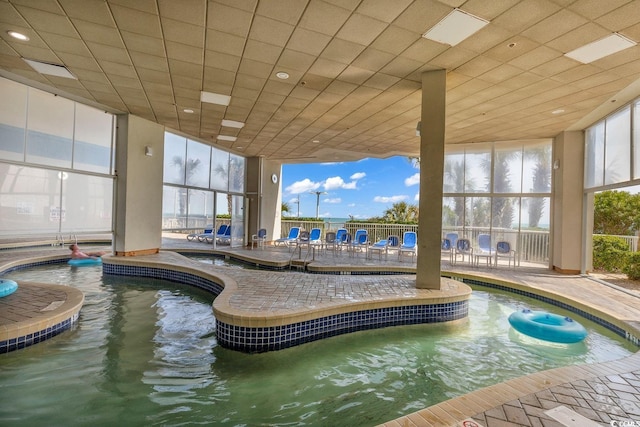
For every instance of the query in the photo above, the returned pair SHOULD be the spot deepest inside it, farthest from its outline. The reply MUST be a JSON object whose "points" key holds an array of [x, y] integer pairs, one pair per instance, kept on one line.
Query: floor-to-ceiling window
{"points": [[501, 189], [56, 164], [203, 185]]}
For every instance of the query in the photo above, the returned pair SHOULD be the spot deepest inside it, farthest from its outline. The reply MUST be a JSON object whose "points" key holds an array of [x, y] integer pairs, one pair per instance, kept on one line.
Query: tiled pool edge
{"points": [[257, 339]]}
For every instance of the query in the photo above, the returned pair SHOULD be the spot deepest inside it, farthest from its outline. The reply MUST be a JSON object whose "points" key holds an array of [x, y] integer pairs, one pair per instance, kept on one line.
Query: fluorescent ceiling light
{"points": [[214, 98], [50, 69], [17, 35], [232, 124], [226, 138], [600, 48], [455, 27]]}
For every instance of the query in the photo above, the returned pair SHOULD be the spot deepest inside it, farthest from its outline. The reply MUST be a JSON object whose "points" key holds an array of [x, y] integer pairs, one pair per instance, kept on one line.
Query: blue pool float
{"points": [[7, 287], [548, 326], [81, 262]]}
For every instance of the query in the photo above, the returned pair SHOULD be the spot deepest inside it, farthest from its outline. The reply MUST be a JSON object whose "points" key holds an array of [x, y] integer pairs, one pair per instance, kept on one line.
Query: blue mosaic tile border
{"points": [[164, 274], [616, 329], [257, 340], [36, 337], [36, 264]]}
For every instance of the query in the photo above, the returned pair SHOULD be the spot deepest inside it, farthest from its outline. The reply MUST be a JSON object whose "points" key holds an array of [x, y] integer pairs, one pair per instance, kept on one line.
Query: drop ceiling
{"points": [[354, 66]]}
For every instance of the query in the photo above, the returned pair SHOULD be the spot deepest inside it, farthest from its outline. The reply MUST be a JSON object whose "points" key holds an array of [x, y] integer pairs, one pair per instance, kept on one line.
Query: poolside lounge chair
{"points": [[208, 233], [207, 229], [225, 238], [311, 238], [409, 245], [453, 237], [294, 234], [259, 238], [462, 248], [344, 242], [330, 242], [503, 250], [385, 246]]}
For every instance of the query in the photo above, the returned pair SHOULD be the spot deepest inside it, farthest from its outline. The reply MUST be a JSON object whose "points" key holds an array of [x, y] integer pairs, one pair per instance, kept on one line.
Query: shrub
{"points": [[632, 267], [609, 253]]}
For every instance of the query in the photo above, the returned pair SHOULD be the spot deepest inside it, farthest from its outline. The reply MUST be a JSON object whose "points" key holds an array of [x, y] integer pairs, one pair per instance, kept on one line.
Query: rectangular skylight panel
{"points": [[455, 27], [232, 124], [600, 48], [50, 69], [214, 98]]}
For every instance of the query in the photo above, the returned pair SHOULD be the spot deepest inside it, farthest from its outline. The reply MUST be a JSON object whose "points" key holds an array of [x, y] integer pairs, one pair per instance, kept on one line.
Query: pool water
{"points": [[144, 353]]}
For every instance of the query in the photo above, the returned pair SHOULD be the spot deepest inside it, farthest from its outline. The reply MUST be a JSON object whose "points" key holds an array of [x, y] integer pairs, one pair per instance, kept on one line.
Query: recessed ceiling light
{"points": [[600, 48], [226, 138], [282, 75], [17, 35], [455, 27], [232, 124], [50, 69], [188, 110], [214, 98]]}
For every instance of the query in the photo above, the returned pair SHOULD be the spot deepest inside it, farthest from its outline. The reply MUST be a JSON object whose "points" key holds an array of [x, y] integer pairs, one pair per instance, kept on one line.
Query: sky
{"points": [[361, 189]]}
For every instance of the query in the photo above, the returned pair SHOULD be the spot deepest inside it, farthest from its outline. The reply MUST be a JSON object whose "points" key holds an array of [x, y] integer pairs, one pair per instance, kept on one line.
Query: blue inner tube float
{"points": [[82, 262], [7, 287], [548, 326]]}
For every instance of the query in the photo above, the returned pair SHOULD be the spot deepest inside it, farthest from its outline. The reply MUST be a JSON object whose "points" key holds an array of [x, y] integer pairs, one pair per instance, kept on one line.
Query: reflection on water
{"points": [[144, 353]]}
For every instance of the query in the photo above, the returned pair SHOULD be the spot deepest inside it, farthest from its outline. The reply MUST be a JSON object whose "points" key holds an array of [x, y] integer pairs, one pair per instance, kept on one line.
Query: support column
{"points": [[431, 174], [139, 163], [568, 201]]}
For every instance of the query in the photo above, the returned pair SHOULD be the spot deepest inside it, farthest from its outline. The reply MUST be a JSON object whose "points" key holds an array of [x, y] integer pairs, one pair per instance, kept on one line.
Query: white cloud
{"points": [[358, 175], [416, 198], [412, 180], [392, 199], [351, 205], [333, 201], [336, 182], [302, 186]]}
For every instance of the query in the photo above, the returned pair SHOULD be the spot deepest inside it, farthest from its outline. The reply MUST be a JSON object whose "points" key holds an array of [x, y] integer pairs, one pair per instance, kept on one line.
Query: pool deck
{"points": [[598, 392]]}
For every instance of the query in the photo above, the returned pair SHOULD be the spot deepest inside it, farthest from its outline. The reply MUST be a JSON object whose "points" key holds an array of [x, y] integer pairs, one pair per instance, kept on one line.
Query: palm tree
{"points": [[285, 208], [541, 182], [401, 212], [187, 169]]}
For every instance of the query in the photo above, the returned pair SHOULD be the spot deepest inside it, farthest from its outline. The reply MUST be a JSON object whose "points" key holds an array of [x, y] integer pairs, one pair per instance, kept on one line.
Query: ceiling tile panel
{"points": [[525, 14], [270, 31], [293, 60], [187, 11], [228, 19], [135, 21], [46, 21], [621, 18], [554, 26], [308, 41], [342, 51], [95, 11], [323, 17], [287, 11], [395, 40], [183, 33], [150, 62], [361, 29], [185, 53]]}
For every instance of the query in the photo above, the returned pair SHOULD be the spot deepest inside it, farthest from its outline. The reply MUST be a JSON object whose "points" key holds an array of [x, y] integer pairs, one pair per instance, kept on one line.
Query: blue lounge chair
{"points": [[294, 234], [260, 238], [409, 245], [462, 248], [484, 249], [207, 229], [503, 250], [384, 246], [225, 238], [209, 237], [447, 247], [359, 242]]}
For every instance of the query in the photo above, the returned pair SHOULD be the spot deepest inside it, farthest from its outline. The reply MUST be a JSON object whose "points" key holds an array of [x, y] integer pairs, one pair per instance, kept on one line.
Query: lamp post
{"points": [[318, 193], [298, 202]]}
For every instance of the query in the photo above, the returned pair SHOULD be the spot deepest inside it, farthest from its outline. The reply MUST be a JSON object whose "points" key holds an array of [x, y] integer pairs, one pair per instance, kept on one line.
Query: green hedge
{"points": [[632, 266], [609, 253]]}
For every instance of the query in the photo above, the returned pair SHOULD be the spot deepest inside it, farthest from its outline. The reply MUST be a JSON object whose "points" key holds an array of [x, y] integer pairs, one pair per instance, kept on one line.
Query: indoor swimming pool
{"points": [[144, 353]]}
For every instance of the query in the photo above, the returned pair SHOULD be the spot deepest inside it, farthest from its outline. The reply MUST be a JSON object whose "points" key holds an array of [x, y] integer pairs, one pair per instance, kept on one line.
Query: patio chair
{"points": [[225, 238], [260, 238], [484, 249], [409, 245], [447, 247], [359, 242], [453, 237], [462, 248], [503, 250], [344, 242], [292, 237], [330, 242]]}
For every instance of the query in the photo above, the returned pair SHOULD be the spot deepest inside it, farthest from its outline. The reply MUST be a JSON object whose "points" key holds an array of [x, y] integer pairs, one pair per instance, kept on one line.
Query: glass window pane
{"points": [[452, 212], [505, 220], [175, 149], [50, 133], [453, 180], [536, 168], [86, 203], [237, 221], [29, 200], [197, 166], [93, 139], [535, 213], [219, 169], [172, 204], [594, 156], [478, 212], [223, 205], [477, 170], [618, 147], [636, 141], [200, 208], [236, 173], [13, 119], [507, 169], [534, 234]]}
